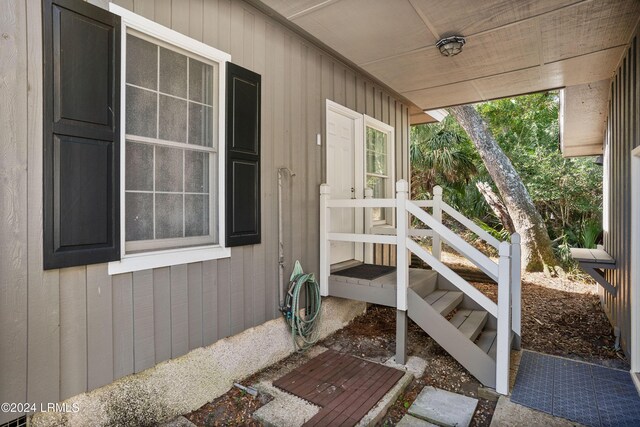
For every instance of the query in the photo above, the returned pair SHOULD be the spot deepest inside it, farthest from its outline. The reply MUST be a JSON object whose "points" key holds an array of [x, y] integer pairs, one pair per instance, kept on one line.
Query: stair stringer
{"points": [[469, 355]]}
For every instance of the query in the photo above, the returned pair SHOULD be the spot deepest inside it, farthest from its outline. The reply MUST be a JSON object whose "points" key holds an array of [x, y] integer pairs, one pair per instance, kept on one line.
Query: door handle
{"points": [[353, 193]]}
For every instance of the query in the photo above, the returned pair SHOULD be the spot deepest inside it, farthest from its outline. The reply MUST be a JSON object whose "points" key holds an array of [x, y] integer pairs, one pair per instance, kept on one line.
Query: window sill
{"points": [[148, 260]]}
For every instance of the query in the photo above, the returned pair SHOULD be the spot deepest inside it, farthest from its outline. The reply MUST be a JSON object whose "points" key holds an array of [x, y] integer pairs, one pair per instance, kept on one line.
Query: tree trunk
{"points": [[537, 254], [496, 206]]}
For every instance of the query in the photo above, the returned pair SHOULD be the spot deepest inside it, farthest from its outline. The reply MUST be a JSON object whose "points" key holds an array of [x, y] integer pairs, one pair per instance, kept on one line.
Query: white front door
{"points": [[344, 176]]}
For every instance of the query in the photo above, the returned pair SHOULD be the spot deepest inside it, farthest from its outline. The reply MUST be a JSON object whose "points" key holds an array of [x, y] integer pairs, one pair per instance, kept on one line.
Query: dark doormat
{"points": [[589, 394], [344, 386], [366, 271]]}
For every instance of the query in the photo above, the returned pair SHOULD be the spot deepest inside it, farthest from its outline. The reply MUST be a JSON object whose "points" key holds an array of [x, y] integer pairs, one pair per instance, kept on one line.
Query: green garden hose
{"points": [[303, 322]]}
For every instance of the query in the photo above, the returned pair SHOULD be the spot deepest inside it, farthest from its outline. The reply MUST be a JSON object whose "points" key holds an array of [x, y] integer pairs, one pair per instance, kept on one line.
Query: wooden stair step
{"points": [[474, 324], [423, 282], [459, 318], [486, 340], [434, 296], [446, 302], [492, 338]]}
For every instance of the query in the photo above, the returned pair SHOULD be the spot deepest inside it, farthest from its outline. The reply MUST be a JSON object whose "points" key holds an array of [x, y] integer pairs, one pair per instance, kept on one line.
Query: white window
{"points": [[172, 152], [379, 165]]}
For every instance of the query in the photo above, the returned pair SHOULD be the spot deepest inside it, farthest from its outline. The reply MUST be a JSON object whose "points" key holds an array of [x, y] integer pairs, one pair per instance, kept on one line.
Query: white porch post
{"points": [[402, 270], [325, 246], [516, 289], [437, 215], [368, 224], [503, 350]]}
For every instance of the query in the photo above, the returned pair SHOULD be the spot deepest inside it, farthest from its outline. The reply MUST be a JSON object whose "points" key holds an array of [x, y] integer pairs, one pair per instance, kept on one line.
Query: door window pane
{"points": [[377, 167], [378, 185], [376, 151]]}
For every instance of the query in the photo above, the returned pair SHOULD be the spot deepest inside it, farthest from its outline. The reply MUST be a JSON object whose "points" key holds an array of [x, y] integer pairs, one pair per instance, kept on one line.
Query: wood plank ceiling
{"points": [[513, 46]]}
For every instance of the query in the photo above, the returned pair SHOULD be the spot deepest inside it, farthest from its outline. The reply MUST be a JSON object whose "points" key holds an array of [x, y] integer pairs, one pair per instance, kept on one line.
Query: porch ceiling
{"points": [[513, 46]]}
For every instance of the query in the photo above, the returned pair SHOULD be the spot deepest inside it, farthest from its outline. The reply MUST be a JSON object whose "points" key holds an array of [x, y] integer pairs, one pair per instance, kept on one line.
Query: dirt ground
{"points": [[559, 316]]}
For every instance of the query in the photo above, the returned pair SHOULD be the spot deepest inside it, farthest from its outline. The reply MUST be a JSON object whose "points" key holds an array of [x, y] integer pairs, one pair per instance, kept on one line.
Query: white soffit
{"points": [[366, 30], [513, 47], [583, 116]]}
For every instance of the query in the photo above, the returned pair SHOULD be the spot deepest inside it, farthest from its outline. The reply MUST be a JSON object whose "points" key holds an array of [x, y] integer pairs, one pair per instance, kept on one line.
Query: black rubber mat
{"points": [[365, 271]]}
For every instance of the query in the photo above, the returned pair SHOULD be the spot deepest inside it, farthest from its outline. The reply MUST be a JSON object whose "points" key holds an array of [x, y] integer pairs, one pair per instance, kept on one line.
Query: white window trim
{"points": [[370, 122], [164, 258]]}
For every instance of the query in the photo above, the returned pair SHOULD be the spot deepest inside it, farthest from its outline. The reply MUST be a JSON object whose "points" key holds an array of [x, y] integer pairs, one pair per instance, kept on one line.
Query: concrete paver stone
{"points": [[443, 407], [410, 421]]}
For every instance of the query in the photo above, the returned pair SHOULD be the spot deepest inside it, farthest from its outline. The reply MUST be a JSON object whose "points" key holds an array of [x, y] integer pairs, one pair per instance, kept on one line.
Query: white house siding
{"points": [[64, 332]]}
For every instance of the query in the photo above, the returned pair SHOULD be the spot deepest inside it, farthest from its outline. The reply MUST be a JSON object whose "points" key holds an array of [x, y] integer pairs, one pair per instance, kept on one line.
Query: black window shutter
{"points": [[243, 157], [81, 134]]}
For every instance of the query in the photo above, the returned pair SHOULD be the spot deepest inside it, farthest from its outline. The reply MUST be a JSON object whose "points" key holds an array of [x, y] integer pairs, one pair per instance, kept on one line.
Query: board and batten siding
{"points": [[623, 127], [67, 331]]}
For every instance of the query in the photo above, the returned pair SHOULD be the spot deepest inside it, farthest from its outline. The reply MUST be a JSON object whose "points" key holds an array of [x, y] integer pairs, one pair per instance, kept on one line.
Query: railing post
{"points": [[437, 215], [503, 347], [402, 259], [516, 289], [368, 223], [402, 270], [325, 246]]}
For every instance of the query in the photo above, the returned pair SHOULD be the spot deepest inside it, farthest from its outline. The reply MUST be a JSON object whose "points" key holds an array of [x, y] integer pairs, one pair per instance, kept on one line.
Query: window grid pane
{"points": [[174, 101], [376, 152], [379, 186], [377, 168], [172, 179], [169, 187]]}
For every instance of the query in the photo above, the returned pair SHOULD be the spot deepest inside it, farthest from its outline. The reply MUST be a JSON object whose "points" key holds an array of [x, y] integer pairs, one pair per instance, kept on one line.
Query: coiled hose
{"points": [[303, 323]]}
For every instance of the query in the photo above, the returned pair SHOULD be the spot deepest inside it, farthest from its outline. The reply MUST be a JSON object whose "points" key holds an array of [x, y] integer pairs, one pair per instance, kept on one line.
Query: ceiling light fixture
{"points": [[451, 46]]}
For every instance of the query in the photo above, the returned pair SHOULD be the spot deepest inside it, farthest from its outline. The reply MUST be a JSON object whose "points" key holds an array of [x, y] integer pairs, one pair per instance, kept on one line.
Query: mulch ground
{"points": [[559, 317], [234, 408]]}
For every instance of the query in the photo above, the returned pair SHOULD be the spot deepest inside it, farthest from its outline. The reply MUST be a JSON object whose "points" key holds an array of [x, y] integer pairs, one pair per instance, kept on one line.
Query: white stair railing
{"points": [[437, 216], [506, 272], [470, 225], [479, 259]]}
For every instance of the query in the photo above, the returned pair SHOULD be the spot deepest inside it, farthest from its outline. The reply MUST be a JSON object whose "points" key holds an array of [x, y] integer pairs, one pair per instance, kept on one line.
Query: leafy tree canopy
{"points": [[566, 192]]}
